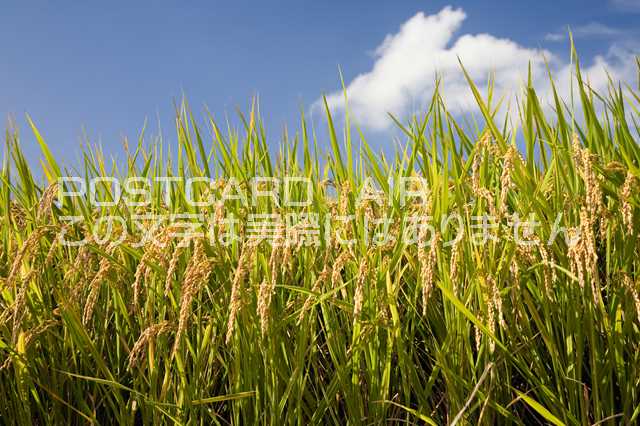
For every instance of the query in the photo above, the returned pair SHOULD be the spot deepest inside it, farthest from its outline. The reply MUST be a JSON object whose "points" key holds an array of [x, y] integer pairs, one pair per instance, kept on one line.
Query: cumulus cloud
{"points": [[407, 63]]}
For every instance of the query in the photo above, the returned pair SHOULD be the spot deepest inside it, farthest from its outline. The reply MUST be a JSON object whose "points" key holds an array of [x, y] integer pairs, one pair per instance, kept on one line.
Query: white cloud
{"points": [[402, 78], [590, 30]]}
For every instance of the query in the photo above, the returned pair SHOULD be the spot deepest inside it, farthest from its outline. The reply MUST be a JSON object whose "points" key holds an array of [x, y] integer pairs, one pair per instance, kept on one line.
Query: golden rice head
{"points": [[506, 182], [345, 190], [46, 200], [96, 283], [30, 337], [324, 276], [492, 305], [496, 300], [588, 251], [625, 196], [584, 161], [195, 276], [173, 264], [427, 269], [549, 272], [19, 305], [477, 334], [338, 265], [150, 333], [277, 261], [358, 297], [155, 251], [575, 255], [455, 264], [632, 289], [18, 215], [26, 250], [478, 190], [235, 303]]}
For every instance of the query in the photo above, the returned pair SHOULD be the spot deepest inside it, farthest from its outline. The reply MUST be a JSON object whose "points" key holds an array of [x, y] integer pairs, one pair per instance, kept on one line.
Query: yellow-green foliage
{"points": [[198, 332]]}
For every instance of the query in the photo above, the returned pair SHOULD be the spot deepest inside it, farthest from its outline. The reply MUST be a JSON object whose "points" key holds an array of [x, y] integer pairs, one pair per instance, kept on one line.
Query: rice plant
{"points": [[378, 318]]}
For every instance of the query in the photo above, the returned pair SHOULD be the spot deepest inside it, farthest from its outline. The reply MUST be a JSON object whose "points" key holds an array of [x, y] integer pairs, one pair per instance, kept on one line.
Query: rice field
{"points": [[488, 272]]}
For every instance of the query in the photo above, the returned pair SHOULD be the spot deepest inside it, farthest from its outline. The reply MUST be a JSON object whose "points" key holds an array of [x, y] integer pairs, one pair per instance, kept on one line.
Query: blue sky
{"points": [[105, 68]]}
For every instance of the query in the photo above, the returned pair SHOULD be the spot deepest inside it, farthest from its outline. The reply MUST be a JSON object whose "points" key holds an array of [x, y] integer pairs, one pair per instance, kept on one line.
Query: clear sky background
{"points": [[106, 67]]}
